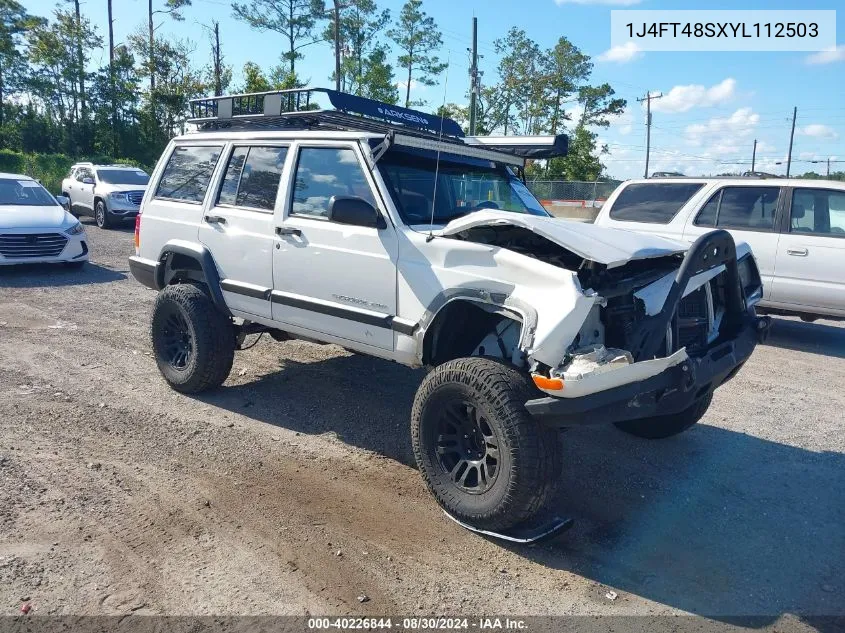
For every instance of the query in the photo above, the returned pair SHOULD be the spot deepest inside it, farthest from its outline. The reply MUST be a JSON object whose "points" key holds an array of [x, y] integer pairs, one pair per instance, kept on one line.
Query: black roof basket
{"points": [[298, 108]]}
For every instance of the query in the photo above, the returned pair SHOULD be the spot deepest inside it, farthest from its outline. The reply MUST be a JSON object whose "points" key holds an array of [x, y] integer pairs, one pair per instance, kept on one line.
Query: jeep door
{"points": [[333, 278], [237, 226], [811, 252]]}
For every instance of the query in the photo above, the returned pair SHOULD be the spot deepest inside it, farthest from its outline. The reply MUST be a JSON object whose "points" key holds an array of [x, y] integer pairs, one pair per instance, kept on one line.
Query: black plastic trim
{"points": [[144, 273], [209, 269], [376, 320], [84, 250], [238, 288]]}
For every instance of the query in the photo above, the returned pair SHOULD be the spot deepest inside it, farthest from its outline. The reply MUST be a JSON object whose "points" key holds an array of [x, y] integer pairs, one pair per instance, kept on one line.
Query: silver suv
{"points": [[110, 193]]}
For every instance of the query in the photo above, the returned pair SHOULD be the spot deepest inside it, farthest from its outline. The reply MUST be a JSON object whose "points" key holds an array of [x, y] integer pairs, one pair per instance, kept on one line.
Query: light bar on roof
{"points": [[524, 146], [458, 150]]}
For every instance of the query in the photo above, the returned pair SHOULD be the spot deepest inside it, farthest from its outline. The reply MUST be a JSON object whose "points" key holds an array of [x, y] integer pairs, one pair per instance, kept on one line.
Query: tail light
{"points": [[138, 234]]}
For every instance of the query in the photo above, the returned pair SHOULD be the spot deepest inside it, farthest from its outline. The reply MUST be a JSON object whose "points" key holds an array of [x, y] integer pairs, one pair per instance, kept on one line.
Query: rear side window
{"points": [[187, 173], [749, 208], [818, 211], [653, 202], [252, 177]]}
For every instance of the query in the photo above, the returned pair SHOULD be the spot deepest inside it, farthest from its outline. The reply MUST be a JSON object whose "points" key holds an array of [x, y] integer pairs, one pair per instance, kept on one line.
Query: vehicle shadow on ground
{"points": [[364, 401], [815, 338], [713, 522], [46, 275], [124, 226]]}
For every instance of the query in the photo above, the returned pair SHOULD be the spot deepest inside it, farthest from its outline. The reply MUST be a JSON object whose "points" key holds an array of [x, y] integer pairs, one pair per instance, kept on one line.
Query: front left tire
{"points": [[101, 215], [485, 460], [193, 342]]}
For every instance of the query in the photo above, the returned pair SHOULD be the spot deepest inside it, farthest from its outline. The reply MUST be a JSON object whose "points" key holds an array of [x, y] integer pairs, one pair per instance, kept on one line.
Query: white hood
{"points": [[604, 245], [29, 217]]}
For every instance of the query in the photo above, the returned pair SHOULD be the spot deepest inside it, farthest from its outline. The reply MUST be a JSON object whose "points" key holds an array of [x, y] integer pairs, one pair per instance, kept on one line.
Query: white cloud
{"points": [[623, 3], [817, 130], [722, 134], [415, 85], [827, 57], [623, 124], [623, 54], [685, 98]]}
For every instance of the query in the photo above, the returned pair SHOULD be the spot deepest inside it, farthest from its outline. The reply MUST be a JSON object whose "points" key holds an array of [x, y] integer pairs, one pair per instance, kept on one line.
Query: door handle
{"points": [[287, 230], [215, 219], [798, 252]]}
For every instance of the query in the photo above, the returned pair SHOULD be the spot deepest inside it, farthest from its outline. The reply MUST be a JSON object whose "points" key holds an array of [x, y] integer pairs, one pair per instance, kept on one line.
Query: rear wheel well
{"points": [[180, 268], [461, 326]]}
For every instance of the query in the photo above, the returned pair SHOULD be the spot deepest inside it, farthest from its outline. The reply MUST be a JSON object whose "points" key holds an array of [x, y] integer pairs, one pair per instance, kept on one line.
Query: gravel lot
{"points": [[292, 490]]}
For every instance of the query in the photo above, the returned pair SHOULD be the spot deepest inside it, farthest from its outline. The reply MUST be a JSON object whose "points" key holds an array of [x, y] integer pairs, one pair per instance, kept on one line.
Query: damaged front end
{"points": [[662, 333]]}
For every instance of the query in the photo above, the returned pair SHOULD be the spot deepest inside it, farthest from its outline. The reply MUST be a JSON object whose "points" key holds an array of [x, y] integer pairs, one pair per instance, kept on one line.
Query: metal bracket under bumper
{"points": [[669, 392]]}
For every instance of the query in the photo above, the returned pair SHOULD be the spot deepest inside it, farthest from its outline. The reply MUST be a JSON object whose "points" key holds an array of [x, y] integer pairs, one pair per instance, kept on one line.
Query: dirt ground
{"points": [[292, 489]]}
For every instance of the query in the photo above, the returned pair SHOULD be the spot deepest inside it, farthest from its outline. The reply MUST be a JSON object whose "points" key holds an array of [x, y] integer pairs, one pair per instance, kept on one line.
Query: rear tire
{"points": [[193, 342], [487, 462], [663, 426], [101, 215]]}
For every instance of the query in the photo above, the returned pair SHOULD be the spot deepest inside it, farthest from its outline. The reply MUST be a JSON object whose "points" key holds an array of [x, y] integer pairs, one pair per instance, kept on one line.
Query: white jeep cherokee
{"points": [[388, 232]]}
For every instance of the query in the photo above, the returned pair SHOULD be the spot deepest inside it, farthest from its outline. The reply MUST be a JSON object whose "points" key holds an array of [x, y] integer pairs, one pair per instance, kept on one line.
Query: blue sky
{"points": [[716, 104]]}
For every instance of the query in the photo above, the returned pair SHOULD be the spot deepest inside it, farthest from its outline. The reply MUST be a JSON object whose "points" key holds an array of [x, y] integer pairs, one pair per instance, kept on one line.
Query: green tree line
{"points": [[54, 101]]}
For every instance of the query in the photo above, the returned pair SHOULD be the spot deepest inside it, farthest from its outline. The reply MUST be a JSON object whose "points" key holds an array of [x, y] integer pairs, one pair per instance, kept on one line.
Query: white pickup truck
{"points": [[796, 230]]}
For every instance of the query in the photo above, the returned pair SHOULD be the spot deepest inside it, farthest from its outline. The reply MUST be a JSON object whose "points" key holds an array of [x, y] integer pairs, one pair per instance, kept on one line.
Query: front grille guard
{"points": [[709, 251]]}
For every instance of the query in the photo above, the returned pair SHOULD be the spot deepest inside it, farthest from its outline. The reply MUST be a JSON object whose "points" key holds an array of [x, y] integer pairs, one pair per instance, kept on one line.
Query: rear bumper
{"points": [[145, 271], [669, 392]]}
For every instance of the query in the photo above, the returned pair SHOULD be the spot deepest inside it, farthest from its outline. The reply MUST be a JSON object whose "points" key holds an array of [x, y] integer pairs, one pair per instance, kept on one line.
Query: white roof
{"points": [[747, 181]]}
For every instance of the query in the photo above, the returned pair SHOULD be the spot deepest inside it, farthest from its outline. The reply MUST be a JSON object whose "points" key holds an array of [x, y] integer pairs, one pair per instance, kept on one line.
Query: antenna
{"points": [[437, 162]]}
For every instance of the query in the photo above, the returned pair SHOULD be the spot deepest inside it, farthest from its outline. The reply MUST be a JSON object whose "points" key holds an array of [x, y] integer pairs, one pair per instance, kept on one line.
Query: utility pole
{"points": [[648, 97], [474, 83], [152, 56], [791, 136], [114, 148], [218, 62], [754, 155], [828, 166], [337, 45]]}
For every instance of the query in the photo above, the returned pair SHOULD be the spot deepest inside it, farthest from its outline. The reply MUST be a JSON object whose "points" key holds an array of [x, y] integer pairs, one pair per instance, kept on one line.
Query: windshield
{"points": [[27, 193], [123, 176], [463, 186]]}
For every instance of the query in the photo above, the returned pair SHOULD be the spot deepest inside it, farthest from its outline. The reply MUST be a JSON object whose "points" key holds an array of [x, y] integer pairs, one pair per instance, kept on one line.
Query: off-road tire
{"points": [[211, 333], [529, 454], [101, 215], [663, 426]]}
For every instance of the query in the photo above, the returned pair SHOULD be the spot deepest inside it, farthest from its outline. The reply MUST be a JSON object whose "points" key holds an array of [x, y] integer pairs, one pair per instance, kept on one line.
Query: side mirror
{"points": [[64, 201], [88, 181], [355, 211]]}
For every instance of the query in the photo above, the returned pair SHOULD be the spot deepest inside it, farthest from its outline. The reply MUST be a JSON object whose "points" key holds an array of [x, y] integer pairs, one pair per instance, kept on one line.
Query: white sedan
{"points": [[35, 228]]}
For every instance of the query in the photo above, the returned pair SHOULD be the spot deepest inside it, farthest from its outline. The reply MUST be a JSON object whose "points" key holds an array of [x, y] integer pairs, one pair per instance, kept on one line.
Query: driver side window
{"points": [[323, 172], [83, 173]]}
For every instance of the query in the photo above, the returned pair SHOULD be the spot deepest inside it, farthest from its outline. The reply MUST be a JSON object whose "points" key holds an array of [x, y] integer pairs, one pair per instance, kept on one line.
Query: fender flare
{"points": [[201, 255]]}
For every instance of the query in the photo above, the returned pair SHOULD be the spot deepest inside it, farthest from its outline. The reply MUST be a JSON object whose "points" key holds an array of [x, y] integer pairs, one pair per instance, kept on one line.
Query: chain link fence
{"points": [[571, 189]]}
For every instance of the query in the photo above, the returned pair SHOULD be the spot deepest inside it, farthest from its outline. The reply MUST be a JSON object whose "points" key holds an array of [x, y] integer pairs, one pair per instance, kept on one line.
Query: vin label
{"points": [[718, 30]]}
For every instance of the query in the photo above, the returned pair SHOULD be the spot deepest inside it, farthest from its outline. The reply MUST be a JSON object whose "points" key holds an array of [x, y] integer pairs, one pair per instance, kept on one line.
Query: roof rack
{"points": [[297, 109]]}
